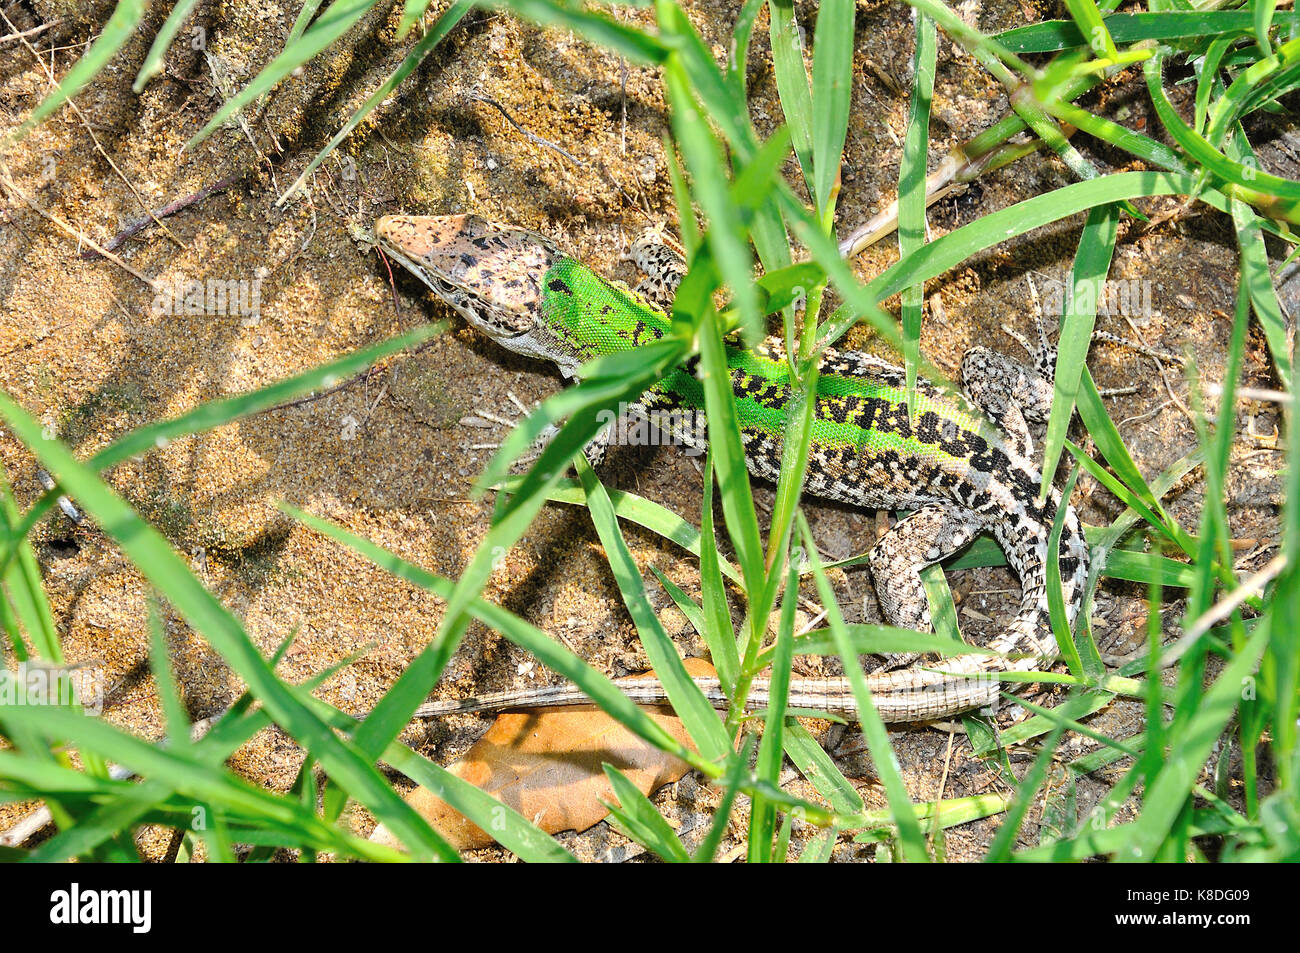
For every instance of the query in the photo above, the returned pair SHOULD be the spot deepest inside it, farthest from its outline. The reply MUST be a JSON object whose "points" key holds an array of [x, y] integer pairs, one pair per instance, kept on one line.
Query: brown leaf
{"points": [[546, 764]]}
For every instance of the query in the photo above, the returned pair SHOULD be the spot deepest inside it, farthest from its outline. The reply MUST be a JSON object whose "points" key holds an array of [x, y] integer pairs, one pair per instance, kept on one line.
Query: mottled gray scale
{"points": [[927, 536], [1010, 393], [663, 268]]}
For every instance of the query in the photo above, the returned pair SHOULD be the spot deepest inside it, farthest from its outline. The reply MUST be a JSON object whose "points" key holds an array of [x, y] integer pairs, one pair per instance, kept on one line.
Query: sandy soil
{"points": [[84, 350]]}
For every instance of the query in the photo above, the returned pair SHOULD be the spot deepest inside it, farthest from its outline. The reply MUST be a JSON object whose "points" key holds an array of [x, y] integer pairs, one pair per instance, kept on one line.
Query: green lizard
{"points": [[960, 473]]}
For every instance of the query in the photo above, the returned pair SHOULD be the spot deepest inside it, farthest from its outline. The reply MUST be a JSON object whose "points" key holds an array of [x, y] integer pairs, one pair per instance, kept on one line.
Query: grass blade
{"points": [[1091, 265], [721, 631], [658, 519], [725, 235], [762, 818], [792, 83], [911, 191], [696, 712], [832, 85], [338, 18], [153, 61], [1189, 746], [638, 819], [453, 15], [1256, 276], [603, 693], [882, 755], [950, 250]]}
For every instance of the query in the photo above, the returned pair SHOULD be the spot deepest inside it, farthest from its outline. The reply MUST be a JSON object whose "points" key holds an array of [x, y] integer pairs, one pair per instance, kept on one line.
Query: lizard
{"points": [[962, 467]]}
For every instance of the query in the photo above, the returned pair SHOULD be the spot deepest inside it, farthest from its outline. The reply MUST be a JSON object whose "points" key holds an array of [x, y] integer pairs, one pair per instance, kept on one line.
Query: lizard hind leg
{"points": [[1015, 395], [930, 534], [1012, 394]]}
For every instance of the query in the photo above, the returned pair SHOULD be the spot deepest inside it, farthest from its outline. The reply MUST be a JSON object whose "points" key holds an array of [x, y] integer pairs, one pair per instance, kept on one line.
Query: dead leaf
{"points": [[546, 764]]}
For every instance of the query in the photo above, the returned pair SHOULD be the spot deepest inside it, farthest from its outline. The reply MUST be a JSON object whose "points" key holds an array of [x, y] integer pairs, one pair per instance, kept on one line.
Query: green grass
{"points": [[1235, 684]]}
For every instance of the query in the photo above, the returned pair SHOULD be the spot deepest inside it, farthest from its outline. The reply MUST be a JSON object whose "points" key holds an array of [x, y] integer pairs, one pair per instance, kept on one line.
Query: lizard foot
{"points": [[594, 451], [487, 420]]}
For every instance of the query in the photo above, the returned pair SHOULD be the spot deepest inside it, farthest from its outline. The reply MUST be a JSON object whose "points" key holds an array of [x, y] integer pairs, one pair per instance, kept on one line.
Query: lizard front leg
{"points": [[663, 266], [594, 450]]}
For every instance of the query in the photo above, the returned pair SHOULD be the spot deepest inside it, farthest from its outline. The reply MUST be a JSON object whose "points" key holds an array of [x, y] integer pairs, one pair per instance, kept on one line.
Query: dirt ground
{"points": [[85, 349]]}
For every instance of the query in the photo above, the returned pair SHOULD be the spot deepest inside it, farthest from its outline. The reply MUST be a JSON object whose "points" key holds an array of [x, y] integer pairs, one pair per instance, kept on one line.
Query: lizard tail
{"points": [[908, 695], [640, 689], [1030, 633]]}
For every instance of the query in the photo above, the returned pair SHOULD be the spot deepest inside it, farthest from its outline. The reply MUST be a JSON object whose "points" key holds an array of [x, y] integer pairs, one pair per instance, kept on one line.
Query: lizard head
{"points": [[489, 272]]}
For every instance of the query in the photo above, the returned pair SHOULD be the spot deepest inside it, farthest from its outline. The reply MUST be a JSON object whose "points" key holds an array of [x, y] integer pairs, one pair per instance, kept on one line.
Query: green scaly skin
{"points": [[962, 470]]}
